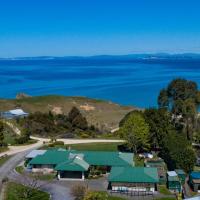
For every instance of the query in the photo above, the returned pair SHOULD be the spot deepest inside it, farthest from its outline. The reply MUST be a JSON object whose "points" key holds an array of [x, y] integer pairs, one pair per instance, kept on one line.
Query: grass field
{"points": [[3, 149], [163, 190], [19, 169], [16, 191], [103, 114], [110, 146], [4, 159], [95, 146]]}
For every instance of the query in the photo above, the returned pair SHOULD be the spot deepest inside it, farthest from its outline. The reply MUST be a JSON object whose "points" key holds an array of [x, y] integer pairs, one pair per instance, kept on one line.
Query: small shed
{"points": [[181, 175], [173, 182], [133, 179], [194, 180], [13, 114]]}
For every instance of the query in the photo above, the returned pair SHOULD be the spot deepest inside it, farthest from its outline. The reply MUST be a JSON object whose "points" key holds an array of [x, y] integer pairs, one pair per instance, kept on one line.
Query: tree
{"points": [[178, 153], [80, 122], [1, 134], [124, 119], [160, 125], [163, 101], [178, 89], [74, 112], [181, 97], [96, 196], [136, 132], [78, 192]]}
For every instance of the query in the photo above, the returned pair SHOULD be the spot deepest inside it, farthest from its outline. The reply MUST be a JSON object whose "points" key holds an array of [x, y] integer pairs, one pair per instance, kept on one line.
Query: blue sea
{"points": [[131, 82]]}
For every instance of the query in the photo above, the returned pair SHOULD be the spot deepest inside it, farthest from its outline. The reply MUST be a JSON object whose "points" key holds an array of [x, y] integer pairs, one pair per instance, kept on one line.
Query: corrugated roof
{"points": [[75, 164], [91, 157], [17, 112], [134, 175], [108, 158], [195, 175], [35, 153], [179, 171], [51, 157], [172, 173]]}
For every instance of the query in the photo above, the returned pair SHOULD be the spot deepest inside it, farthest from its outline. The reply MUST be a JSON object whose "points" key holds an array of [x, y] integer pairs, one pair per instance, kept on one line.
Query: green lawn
{"points": [[43, 177], [95, 146], [163, 190], [15, 191], [4, 159], [19, 169], [3, 149], [98, 146]]}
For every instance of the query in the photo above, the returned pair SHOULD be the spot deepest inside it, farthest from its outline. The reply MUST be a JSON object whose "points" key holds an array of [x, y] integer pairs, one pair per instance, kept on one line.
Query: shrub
{"points": [[96, 196], [59, 143], [78, 192]]}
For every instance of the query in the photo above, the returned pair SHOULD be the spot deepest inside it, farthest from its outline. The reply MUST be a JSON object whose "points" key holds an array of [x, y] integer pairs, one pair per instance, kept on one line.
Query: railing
{"points": [[133, 193]]}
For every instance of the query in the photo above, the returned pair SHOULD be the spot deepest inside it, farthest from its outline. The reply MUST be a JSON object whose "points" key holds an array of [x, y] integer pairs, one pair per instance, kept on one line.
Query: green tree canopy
{"points": [[181, 97], [178, 153], [136, 132], [1, 134], [160, 125]]}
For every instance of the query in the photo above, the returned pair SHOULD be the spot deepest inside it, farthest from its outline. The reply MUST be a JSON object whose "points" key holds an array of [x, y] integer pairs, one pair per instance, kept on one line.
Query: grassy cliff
{"points": [[103, 114]]}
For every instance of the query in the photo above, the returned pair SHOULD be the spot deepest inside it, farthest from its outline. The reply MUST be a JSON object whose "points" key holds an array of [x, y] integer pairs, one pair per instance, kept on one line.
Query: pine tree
{"points": [[1, 134]]}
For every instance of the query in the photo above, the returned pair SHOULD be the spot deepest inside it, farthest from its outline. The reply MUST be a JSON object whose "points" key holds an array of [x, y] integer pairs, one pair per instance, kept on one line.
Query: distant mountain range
{"points": [[156, 56]]}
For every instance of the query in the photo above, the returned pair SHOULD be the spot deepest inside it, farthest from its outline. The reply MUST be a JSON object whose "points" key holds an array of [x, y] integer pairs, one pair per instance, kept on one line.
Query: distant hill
{"points": [[113, 57], [103, 114]]}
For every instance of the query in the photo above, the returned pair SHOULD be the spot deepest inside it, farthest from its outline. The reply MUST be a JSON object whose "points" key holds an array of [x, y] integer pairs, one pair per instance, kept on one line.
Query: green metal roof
{"points": [[75, 164], [51, 157], [103, 158], [134, 175], [173, 178], [108, 158], [179, 171]]}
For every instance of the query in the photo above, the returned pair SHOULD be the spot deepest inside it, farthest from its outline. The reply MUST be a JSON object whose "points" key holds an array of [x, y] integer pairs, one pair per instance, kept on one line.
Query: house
{"points": [[13, 114], [33, 154], [173, 182], [161, 167], [194, 181], [181, 174], [133, 180], [71, 164]]}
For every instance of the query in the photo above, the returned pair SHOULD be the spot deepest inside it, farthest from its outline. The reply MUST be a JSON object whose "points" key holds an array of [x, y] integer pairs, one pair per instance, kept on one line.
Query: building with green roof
{"points": [[133, 179], [181, 174], [71, 164], [173, 182]]}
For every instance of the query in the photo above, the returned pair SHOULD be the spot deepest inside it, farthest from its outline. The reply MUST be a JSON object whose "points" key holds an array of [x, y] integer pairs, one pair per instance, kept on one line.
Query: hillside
{"points": [[103, 114]]}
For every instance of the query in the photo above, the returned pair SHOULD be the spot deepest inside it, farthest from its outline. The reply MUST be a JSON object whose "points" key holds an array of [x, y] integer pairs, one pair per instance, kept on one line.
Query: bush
{"points": [[96, 196], [5, 180], [59, 143], [78, 192], [51, 145]]}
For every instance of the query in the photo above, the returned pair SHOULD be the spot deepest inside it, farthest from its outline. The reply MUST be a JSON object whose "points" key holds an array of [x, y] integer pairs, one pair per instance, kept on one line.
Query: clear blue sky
{"points": [[91, 27]]}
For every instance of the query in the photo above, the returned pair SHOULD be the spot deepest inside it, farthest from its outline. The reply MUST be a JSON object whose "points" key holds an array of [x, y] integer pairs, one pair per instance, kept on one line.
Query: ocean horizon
{"points": [[127, 82]]}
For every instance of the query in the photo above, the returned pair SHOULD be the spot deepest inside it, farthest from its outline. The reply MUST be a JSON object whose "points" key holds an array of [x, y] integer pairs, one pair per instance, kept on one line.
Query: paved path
{"points": [[57, 191]]}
